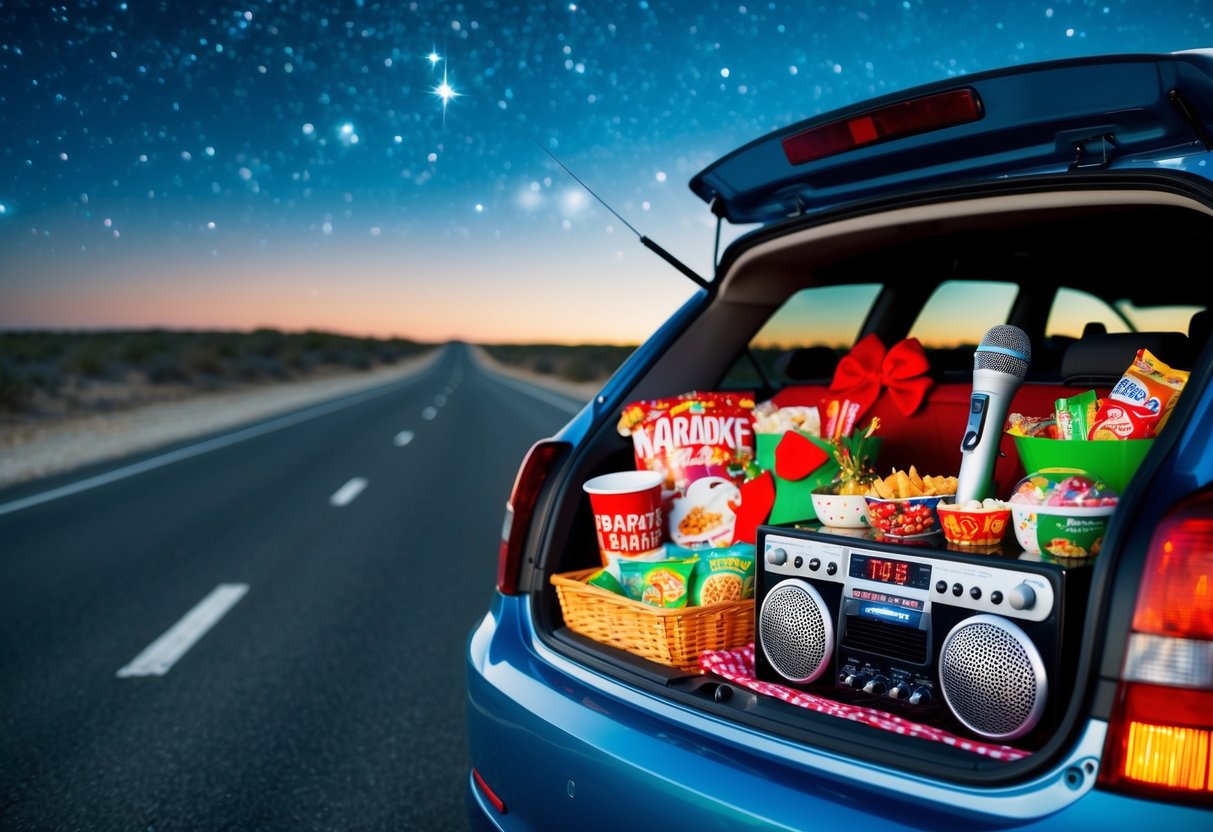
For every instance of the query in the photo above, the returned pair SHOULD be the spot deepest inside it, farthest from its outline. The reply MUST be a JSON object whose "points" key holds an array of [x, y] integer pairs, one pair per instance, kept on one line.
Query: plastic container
{"points": [[1114, 461], [1062, 511]]}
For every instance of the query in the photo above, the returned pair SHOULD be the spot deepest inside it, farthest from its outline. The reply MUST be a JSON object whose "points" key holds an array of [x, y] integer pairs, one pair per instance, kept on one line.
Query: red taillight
{"points": [[933, 112], [1160, 739], [489, 794], [531, 474]]}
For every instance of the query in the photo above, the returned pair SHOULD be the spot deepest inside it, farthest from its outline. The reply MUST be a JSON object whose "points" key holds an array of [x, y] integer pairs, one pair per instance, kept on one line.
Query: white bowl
{"points": [[844, 511]]}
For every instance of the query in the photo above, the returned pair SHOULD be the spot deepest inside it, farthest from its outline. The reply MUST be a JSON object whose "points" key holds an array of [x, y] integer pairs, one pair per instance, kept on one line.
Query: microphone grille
{"points": [[1004, 349]]}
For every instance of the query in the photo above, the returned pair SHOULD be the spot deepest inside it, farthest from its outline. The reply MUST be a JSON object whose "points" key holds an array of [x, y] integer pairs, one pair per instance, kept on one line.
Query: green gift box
{"points": [[793, 502]]}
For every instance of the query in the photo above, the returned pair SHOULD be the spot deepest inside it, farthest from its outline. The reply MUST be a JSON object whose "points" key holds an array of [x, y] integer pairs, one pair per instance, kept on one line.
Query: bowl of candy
{"points": [[905, 516], [975, 522], [1062, 511]]}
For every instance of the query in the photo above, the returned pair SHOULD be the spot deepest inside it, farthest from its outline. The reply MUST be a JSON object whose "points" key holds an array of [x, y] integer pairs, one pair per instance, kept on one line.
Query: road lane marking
{"points": [[214, 444], [345, 495], [403, 438], [164, 652], [428, 414], [539, 393]]}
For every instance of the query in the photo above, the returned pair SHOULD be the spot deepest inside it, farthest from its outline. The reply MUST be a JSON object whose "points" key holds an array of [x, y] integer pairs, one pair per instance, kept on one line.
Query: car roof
{"points": [[1106, 112]]}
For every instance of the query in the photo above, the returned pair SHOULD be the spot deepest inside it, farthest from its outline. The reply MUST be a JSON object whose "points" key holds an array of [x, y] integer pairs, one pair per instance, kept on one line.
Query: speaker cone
{"points": [[993, 677], [795, 631]]}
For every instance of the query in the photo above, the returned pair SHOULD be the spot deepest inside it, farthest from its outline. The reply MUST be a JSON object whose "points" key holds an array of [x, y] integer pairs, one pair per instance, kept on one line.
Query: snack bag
{"points": [[703, 444], [662, 583], [1141, 401], [723, 575], [1076, 415], [604, 579]]}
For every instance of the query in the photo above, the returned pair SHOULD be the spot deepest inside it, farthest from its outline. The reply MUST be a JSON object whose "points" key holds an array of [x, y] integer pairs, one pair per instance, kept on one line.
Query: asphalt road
{"points": [[262, 630]]}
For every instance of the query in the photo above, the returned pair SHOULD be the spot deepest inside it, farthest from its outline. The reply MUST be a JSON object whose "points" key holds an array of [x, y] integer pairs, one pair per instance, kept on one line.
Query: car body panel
{"points": [[1037, 119]]}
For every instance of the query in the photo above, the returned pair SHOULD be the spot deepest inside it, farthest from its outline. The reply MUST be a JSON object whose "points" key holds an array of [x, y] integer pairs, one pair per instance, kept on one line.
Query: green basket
{"points": [[1113, 461]]}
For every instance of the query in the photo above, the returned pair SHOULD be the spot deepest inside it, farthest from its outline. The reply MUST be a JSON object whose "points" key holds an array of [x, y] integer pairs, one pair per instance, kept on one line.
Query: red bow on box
{"points": [[868, 368]]}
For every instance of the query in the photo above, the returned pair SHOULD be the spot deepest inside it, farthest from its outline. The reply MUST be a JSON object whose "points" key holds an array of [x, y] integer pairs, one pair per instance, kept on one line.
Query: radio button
{"points": [[957, 590], [941, 587], [777, 557], [1022, 597], [877, 686], [815, 564], [855, 680]]}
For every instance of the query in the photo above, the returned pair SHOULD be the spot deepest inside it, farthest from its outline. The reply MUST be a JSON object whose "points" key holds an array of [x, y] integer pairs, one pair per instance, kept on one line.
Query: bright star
{"points": [[447, 93], [433, 58]]}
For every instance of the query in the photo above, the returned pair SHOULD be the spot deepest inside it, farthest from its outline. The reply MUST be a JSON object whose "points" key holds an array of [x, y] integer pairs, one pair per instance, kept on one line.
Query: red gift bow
{"points": [[868, 368]]}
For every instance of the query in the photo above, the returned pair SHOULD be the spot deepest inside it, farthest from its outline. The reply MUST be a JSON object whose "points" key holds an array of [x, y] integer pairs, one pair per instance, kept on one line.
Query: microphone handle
{"points": [[992, 394]]}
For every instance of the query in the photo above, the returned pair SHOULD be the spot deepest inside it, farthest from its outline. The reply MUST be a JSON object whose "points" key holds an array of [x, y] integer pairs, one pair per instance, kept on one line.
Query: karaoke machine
{"points": [[980, 645]]}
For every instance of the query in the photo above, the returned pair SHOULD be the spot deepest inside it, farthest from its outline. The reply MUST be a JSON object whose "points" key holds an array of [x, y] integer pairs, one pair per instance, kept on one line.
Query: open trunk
{"points": [[1140, 232]]}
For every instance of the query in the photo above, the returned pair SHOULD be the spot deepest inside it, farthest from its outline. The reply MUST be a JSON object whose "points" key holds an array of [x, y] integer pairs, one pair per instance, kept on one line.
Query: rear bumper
{"points": [[564, 747]]}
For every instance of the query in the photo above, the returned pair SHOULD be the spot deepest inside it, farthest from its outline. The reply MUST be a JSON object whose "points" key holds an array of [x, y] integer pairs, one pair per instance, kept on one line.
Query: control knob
{"points": [[877, 685], [920, 696], [777, 557], [1022, 597]]}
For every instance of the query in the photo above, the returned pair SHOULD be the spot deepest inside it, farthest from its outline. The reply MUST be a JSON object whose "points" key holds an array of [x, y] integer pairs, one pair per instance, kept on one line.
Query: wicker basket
{"points": [[673, 637]]}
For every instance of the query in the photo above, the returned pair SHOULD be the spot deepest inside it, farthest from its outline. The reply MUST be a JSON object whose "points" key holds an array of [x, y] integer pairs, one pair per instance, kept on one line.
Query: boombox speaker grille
{"points": [[796, 631], [993, 677]]}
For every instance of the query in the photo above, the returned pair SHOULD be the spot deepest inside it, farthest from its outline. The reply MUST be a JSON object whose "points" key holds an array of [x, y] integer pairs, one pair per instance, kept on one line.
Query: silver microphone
{"points": [[999, 366]]}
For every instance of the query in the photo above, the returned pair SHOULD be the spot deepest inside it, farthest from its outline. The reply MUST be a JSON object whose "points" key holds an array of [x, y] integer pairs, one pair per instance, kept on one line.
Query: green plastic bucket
{"points": [[1113, 461]]}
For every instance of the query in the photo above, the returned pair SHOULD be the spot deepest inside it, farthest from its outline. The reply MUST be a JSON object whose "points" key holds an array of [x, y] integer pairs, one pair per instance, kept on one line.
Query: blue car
{"points": [[989, 295]]}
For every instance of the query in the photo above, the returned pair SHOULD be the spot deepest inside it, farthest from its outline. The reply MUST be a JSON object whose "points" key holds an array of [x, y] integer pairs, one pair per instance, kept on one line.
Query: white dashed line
{"points": [[403, 438], [429, 413], [345, 495], [163, 653]]}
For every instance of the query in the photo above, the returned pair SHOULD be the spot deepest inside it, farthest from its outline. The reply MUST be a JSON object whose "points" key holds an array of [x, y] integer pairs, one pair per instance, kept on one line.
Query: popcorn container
{"points": [[628, 515]]}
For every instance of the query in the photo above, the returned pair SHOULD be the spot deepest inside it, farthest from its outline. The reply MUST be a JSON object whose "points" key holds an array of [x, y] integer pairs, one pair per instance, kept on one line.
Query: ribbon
{"points": [[868, 368]]}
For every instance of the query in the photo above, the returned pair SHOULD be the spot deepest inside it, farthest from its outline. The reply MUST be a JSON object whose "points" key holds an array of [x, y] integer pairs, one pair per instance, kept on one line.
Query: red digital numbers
{"points": [[888, 571]]}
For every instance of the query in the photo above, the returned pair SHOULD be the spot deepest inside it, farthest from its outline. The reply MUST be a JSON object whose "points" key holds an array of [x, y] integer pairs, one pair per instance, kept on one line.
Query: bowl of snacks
{"points": [[1062, 511], [842, 511], [904, 504], [975, 522]]}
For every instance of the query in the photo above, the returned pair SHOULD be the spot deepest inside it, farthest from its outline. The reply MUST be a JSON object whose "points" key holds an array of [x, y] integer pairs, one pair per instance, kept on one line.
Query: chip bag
{"points": [[661, 583], [1141, 401]]}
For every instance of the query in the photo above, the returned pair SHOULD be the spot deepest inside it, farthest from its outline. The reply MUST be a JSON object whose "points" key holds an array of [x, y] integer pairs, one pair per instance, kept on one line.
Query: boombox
{"points": [[980, 645]]}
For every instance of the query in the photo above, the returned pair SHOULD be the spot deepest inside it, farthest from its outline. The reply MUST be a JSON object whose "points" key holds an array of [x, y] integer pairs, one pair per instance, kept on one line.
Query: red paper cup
{"points": [[628, 515]]}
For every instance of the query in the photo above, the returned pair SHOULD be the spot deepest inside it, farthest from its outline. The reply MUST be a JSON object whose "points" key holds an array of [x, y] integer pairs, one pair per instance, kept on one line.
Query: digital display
{"points": [[891, 571]]}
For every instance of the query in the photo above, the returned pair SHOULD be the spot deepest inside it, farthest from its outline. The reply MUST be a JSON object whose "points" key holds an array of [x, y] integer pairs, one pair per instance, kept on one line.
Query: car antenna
{"points": [[649, 244]]}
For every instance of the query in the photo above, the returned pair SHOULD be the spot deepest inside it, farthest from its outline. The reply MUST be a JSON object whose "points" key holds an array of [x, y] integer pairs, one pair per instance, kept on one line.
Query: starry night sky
{"points": [[382, 167]]}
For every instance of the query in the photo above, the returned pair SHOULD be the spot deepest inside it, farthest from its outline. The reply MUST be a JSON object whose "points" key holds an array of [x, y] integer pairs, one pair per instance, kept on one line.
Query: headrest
{"points": [[1100, 360], [807, 364]]}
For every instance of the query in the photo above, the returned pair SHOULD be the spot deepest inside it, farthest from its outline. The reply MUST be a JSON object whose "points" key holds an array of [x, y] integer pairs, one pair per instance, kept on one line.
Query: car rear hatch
{"points": [[1098, 113]]}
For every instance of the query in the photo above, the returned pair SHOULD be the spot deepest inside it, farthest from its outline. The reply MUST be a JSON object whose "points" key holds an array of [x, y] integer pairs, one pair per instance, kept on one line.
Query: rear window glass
{"points": [[960, 312], [1076, 312], [805, 337]]}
